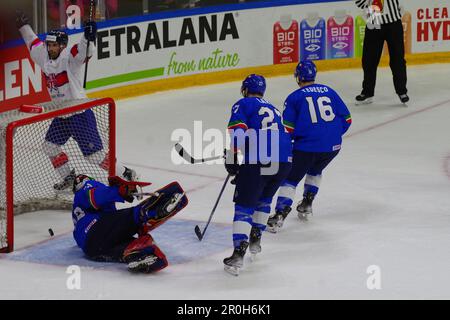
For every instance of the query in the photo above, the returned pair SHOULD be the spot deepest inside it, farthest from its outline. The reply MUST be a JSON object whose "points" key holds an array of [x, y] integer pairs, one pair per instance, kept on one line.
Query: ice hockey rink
{"points": [[384, 205]]}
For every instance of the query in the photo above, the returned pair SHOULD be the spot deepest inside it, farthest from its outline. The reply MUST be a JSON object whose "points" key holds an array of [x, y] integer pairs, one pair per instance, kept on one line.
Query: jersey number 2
{"points": [[325, 109], [267, 121]]}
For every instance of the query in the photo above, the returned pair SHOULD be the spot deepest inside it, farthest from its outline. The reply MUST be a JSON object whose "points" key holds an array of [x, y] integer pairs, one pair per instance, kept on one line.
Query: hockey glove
{"points": [[126, 190], [21, 19], [231, 162], [90, 31]]}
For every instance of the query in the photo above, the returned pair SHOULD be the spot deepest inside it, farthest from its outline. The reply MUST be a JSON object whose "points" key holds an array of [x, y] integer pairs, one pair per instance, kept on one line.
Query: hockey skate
{"points": [[276, 222], [255, 242], [129, 174], [234, 263], [304, 208], [66, 183]]}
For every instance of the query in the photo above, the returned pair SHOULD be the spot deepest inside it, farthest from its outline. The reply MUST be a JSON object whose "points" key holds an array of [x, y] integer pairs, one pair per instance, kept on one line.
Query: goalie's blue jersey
{"points": [[317, 118], [260, 124], [90, 202]]}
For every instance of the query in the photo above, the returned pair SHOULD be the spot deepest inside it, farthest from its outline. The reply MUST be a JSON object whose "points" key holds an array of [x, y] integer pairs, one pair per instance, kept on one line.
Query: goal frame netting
{"points": [[20, 120]]}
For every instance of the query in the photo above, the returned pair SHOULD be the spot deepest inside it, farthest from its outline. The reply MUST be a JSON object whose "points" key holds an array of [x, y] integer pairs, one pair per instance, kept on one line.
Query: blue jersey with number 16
{"points": [[317, 118], [266, 139]]}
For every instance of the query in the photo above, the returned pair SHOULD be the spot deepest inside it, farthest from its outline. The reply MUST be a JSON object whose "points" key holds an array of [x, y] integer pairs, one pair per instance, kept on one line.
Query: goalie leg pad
{"points": [[143, 255], [157, 209]]}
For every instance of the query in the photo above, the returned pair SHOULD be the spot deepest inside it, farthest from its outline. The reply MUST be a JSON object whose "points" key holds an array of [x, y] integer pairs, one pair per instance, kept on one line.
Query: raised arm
{"points": [[37, 49], [78, 51]]}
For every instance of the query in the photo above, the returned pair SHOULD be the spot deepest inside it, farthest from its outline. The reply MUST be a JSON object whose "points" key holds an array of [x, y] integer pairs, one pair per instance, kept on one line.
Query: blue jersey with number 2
{"points": [[267, 140]]}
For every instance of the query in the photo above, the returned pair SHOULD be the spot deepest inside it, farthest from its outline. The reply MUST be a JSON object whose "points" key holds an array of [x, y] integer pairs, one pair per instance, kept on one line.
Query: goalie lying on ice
{"points": [[107, 234]]}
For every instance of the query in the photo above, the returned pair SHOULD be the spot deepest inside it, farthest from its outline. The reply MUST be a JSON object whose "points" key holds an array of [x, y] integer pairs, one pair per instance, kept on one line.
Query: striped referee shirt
{"points": [[391, 9]]}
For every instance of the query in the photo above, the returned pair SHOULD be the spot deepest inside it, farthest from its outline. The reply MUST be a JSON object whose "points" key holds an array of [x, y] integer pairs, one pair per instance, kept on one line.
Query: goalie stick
{"points": [[186, 156], [201, 234]]}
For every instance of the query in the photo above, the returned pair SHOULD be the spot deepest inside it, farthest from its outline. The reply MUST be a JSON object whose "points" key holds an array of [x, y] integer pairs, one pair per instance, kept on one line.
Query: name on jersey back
{"points": [[316, 89]]}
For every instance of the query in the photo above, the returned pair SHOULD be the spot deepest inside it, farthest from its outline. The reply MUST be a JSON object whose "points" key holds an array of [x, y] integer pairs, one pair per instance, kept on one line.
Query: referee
{"points": [[387, 26]]}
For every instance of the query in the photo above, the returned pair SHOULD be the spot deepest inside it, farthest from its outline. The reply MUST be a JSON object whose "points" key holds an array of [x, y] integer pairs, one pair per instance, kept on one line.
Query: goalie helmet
{"points": [[79, 181], [305, 71], [254, 84]]}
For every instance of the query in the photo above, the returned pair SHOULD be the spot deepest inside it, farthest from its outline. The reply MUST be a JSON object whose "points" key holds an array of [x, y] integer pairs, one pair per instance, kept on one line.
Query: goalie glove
{"points": [[126, 188]]}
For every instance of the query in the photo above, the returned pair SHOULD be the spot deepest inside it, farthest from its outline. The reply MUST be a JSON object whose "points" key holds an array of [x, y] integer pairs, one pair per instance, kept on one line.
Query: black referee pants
{"points": [[374, 39]]}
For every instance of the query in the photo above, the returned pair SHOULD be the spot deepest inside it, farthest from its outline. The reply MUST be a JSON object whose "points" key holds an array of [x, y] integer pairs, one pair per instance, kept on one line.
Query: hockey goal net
{"points": [[29, 172]]}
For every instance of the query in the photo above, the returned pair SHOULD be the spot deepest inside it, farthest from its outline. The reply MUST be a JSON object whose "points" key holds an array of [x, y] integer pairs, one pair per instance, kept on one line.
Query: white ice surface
{"points": [[384, 201]]}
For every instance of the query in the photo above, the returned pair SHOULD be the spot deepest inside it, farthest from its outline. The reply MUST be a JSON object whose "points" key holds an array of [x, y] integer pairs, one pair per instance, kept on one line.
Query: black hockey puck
{"points": [[50, 231]]}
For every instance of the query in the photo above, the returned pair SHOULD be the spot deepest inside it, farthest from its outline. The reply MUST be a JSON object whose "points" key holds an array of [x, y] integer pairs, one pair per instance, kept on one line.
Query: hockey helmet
{"points": [[254, 84], [58, 36], [305, 71], [79, 181]]}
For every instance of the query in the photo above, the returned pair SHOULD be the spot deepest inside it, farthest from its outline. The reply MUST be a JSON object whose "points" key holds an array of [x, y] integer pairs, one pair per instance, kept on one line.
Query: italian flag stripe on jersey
{"points": [[348, 119], [237, 124], [92, 199], [289, 126]]}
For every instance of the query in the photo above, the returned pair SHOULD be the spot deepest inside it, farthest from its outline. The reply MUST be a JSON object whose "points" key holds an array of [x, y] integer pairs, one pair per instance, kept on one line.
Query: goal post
{"points": [[83, 132]]}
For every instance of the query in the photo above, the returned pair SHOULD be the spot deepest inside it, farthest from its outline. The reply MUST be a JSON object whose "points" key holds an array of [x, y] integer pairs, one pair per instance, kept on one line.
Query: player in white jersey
{"points": [[63, 70]]}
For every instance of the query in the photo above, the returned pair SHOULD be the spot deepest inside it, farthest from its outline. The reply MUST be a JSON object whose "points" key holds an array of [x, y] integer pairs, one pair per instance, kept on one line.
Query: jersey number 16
{"points": [[325, 109]]}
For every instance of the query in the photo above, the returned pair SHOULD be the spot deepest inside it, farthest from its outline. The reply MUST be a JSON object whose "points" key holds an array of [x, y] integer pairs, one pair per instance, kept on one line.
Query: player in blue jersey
{"points": [[256, 130], [107, 234], [316, 118]]}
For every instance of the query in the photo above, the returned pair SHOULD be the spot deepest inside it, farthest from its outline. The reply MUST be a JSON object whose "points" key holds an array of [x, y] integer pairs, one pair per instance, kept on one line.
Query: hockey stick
{"points": [[91, 18], [200, 234], [186, 156]]}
